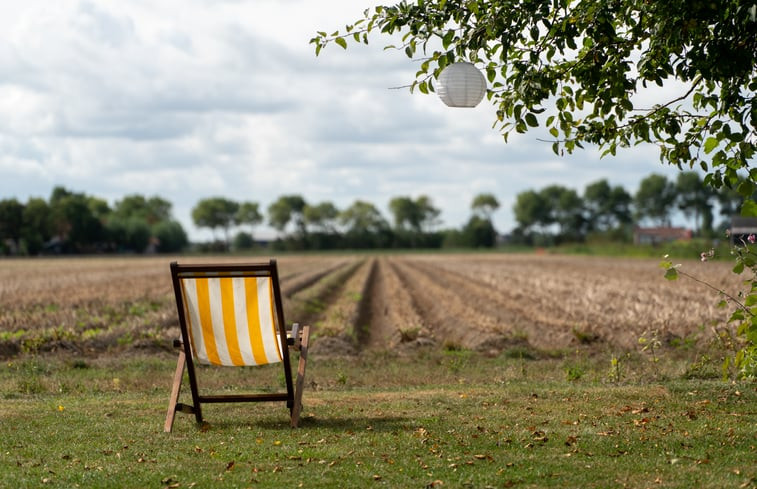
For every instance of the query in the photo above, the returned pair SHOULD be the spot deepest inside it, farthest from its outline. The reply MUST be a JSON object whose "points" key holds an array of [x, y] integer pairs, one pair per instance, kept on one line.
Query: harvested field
{"points": [[483, 302]]}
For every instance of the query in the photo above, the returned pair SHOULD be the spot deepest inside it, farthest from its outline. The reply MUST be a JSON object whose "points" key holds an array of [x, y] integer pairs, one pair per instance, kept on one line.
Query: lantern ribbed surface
{"points": [[461, 84]]}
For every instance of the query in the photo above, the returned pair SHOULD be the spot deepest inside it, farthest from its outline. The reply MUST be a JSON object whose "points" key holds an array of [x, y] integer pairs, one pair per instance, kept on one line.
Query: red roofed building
{"points": [[655, 236]]}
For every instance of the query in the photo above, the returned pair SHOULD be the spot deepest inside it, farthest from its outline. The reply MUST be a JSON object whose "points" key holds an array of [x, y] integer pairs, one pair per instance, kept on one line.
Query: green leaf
{"points": [[738, 315], [671, 274], [447, 39], [746, 188], [710, 144], [341, 41], [531, 120], [749, 208]]}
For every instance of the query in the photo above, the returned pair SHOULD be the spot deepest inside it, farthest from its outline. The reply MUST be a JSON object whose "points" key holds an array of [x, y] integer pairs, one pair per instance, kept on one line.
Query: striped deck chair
{"points": [[231, 315]]}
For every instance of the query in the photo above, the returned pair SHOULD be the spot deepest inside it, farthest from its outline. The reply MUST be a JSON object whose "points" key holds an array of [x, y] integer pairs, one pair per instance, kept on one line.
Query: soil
{"points": [[482, 302]]}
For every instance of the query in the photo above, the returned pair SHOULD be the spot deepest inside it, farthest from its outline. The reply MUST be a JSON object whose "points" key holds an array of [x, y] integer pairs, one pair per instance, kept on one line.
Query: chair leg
{"points": [[175, 390], [300, 384]]}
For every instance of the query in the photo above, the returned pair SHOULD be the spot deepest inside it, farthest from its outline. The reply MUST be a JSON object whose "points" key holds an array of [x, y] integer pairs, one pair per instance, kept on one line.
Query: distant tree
{"points": [[170, 235], [429, 215], [243, 241], [99, 208], [413, 214], [362, 217], [694, 199], [248, 214], [129, 234], [364, 226], [729, 202], [569, 215], [484, 205], [36, 227], [532, 211], [606, 206], [621, 204], [654, 199], [565, 208], [215, 212], [479, 232], [321, 217], [74, 222], [11, 223], [288, 208], [406, 213], [152, 210]]}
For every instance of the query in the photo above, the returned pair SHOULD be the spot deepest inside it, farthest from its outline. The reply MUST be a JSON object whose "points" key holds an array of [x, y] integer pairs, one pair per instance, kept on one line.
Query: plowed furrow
{"points": [[447, 314], [513, 313], [343, 315], [388, 310], [308, 305], [291, 284]]}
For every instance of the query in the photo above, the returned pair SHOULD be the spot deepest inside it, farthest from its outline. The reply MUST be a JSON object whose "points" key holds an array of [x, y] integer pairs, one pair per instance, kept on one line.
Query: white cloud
{"points": [[200, 98]]}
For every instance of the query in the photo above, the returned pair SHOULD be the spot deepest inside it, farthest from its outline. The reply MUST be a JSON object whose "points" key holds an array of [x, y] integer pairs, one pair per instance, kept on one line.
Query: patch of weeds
{"points": [[29, 377], [585, 337], [705, 369], [126, 339], [79, 364], [457, 357], [30, 386], [34, 344], [409, 334], [519, 353], [141, 308], [452, 346], [328, 330], [314, 306], [356, 296], [616, 372], [341, 378], [573, 372], [686, 343], [12, 335], [650, 341], [91, 333]]}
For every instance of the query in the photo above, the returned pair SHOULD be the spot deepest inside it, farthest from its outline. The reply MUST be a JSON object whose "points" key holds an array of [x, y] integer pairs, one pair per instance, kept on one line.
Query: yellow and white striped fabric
{"points": [[231, 320]]}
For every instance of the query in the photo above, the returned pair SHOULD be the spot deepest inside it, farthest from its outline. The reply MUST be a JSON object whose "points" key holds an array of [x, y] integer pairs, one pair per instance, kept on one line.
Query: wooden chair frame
{"points": [[297, 339]]}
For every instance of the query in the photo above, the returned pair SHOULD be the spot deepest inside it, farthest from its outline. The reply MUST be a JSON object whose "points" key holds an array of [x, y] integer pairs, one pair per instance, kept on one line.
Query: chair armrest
{"points": [[293, 336]]}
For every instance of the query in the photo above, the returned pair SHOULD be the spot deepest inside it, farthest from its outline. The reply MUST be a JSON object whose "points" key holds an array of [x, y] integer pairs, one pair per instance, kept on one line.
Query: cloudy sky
{"points": [[201, 98]]}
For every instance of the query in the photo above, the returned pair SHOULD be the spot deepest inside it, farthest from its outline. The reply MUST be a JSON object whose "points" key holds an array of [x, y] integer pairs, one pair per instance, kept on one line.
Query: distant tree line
{"points": [[71, 222], [323, 226], [557, 214]]}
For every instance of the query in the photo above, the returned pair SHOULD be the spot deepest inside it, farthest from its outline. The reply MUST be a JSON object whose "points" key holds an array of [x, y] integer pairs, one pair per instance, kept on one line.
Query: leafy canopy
{"points": [[584, 70]]}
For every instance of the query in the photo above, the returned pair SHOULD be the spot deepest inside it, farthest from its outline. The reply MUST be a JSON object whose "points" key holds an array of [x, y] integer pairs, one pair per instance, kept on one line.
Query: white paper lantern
{"points": [[461, 84]]}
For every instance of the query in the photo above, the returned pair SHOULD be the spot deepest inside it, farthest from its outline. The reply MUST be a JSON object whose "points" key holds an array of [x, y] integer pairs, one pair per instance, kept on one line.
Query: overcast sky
{"points": [[201, 98]]}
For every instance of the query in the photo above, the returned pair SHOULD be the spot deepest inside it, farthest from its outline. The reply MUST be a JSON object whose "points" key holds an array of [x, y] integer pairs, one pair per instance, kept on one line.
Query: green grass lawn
{"points": [[440, 419]]}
